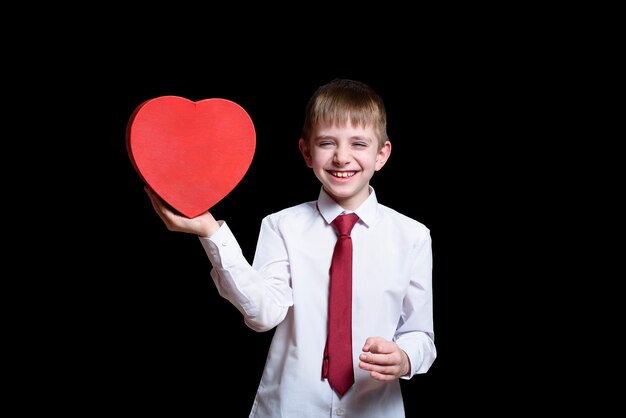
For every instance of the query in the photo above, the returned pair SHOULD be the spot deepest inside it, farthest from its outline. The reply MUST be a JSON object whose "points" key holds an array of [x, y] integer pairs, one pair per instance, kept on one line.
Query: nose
{"points": [[342, 155]]}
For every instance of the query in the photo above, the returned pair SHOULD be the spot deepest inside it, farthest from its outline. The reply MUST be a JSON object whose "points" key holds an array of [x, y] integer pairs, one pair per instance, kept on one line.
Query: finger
{"points": [[374, 344], [383, 373], [382, 377]]}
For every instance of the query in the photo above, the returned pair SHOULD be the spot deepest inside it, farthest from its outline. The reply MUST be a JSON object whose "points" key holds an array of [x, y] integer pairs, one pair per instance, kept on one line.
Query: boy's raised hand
{"points": [[203, 225]]}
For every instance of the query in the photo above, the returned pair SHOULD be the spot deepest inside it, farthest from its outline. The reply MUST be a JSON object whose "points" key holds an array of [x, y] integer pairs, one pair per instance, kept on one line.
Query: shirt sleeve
{"points": [[415, 331], [262, 299]]}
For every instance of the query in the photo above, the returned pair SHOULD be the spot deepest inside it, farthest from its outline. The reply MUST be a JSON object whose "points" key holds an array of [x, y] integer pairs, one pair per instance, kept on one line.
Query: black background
{"points": [[503, 145]]}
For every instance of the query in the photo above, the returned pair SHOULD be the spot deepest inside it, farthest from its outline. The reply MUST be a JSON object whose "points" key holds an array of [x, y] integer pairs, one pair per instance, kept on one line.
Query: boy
{"points": [[344, 141]]}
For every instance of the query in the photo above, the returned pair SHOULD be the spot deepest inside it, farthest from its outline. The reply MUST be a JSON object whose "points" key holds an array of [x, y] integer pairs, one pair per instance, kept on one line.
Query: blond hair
{"points": [[342, 100]]}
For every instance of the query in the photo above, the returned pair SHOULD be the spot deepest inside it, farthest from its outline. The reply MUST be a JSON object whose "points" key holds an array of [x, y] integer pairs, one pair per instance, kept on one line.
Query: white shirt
{"points": [[287, 287]]}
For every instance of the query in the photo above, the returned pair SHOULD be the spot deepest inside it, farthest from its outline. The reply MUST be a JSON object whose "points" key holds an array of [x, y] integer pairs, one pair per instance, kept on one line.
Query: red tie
{"points": [[337, 365]]}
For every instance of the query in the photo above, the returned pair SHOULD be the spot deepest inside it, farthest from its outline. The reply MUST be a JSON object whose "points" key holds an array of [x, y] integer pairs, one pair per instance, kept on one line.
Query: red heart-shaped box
{"points": [[192, 154]]}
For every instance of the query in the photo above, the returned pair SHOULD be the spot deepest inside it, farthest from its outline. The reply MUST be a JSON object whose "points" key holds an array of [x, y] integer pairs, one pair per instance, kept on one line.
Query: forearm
{"points": [[247, 291], [261, 297]]}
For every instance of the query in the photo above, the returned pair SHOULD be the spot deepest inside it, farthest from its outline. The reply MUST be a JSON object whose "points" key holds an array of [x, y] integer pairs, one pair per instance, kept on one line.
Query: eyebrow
{"points": [[352, 138]]}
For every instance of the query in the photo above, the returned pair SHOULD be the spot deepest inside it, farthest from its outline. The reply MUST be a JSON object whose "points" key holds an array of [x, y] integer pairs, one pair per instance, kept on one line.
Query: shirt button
{"points": [[225, 243], [340, 412]]}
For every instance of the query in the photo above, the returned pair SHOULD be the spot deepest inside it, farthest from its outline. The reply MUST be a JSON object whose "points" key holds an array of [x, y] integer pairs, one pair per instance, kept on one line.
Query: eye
{"points": [[325, 143], [360, 144]]}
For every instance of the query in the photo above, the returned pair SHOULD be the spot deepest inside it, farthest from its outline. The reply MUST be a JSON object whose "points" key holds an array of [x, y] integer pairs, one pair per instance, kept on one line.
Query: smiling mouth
{"points": [[342, 174]]}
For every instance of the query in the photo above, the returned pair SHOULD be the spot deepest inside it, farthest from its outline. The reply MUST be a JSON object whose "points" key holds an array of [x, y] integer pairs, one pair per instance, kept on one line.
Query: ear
{"points": [[383, 155], [306, 152]]}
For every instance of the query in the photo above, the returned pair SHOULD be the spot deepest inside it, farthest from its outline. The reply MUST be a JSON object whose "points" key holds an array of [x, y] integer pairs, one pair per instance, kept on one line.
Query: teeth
{"points": [[343, 174]]}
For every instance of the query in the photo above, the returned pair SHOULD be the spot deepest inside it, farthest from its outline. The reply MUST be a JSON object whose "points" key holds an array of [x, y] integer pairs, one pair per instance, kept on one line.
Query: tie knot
{"points": [[344, 223]]}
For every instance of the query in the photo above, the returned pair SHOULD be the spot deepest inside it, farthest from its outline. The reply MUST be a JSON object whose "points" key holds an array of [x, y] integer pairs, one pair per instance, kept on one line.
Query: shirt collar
{"points": [[329, 209]]}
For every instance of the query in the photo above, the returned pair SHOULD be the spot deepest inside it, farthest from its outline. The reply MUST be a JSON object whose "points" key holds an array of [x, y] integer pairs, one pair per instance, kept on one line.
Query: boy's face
{"points": [[344, 159]]}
